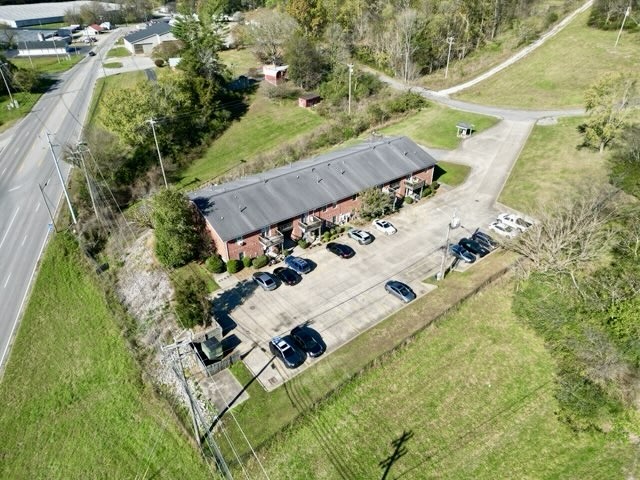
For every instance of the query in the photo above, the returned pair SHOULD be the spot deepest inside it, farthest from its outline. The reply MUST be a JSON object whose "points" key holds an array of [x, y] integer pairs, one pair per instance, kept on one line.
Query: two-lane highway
{"points": [[26, 163]]}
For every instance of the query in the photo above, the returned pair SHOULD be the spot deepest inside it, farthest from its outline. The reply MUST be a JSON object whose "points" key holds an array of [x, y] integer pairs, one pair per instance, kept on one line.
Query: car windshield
{"points": [[268, 281], [288, 352]]}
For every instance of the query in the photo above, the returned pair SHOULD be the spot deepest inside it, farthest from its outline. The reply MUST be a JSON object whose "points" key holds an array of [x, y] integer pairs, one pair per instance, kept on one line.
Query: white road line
{"points": [[3, 172], [15, 188], [10, 224], [7, 281], [24, 240], [37, 207]]}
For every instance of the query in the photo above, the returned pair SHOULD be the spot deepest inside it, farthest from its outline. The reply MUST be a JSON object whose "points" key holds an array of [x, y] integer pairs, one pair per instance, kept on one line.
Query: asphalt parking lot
{"points": [[342, 298]]}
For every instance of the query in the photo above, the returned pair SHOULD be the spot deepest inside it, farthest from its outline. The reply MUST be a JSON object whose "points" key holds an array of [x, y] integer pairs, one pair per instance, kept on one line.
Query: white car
{"points": [[504, 230], [515, 221], [384, 226]]}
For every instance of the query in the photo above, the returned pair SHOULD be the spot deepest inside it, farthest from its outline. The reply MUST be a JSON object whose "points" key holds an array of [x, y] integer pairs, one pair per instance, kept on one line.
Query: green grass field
{"points": [[435, 126], [557, 74], [452, 174], [469, 398], [551, 167], [194, 269], [73, 401], [118, 52], [51, 64], [240, 61], [112, 65], [8, 117], [266, 125]]}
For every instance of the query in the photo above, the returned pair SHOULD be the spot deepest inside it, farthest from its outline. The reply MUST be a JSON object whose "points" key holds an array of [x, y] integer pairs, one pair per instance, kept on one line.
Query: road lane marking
{"points": [[7, 280], [37, 207], [15, 188], [24, 240], [3, 172], [10, 224]]}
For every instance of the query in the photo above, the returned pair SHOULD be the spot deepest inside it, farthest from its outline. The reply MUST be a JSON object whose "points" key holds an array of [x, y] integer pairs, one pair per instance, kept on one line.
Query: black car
{"points": [[341, 250], [284, 349], [484, 239], [92, 53], [305, 339], [474, 247], [461, 253], [286, 275], [400, 290]]}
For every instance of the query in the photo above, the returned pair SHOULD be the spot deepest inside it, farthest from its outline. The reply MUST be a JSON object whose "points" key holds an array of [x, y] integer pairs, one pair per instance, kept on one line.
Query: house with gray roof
{"points": [[258, 214], [146, 39], [44, 48]]}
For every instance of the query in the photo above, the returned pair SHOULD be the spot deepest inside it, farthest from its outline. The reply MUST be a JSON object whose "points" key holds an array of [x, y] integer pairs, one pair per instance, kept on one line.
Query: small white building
{"points": [[106, 25], [145, 40], [92, 30], [42, 49]]}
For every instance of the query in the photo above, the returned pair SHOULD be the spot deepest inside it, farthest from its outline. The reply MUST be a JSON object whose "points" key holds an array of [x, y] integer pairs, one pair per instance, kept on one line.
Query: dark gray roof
{"points": [[159, 28], [47, 44], [249, 204]]}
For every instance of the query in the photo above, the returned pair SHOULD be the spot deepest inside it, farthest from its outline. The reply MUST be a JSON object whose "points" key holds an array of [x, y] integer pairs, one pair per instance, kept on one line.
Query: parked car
{"points": [[504, 230], [485, 240], [361, 236], [515, 221], [286, 351], [307, 341], [286, 275], [265, 280], [461, 253], [400, 290], [474, 247], [92, 53], [297, 264], [384, 226], [343, 251]]}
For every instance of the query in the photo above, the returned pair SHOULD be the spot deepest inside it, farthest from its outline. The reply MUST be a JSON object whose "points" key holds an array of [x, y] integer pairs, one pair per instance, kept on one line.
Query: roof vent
{"points": [[313, 169], [342, 171], [221, 218], [406, 153], [243, 208], [297, 176]]}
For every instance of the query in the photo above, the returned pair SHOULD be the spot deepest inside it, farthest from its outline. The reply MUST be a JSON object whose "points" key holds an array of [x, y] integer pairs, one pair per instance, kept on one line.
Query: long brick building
{"points": [[258, 214]]}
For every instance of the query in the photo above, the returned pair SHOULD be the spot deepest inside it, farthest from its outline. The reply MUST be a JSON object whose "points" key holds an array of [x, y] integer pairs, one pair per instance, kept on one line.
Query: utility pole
{"points": [[350, 72], [64, 186], [46, 204], [626, 14], [12, 103], [153, 128], [78, 151], [454, 223], [450, 41], [28, 53]]}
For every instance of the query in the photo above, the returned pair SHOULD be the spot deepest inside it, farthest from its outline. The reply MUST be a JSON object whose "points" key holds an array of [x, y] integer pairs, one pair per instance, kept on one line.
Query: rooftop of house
{"points": [[251, 203], [159, 28]]}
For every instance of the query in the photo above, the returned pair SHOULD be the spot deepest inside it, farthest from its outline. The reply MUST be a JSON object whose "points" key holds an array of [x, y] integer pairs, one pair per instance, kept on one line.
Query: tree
{"points": [[167, 50], [310, 14], [267, 32], [190, 302], [375, 203], [609, 103], [126, 111], [177, 230], [306, 64], [625, 161], [8, 36]]}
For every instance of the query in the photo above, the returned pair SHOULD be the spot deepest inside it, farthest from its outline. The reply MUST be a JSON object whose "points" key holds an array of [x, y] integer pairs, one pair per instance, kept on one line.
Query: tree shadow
{"points": [[229, 300], [399, 451]]}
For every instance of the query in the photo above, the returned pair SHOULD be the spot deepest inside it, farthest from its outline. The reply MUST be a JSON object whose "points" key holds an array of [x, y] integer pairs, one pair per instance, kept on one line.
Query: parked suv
{"points": [[287, 352], [361, 236], [297, 264]]}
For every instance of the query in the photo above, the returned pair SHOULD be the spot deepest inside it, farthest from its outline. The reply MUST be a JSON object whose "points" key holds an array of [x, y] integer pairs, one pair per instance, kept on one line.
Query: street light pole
{"points": [[80, 153], [46, 204], [64, 186], [350, 72], [626, 14], [152, 122], [450, 41]]}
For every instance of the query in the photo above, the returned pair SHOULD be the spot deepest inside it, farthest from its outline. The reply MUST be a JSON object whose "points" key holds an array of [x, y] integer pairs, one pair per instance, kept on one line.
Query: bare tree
{"points": [[569, 235], [8, 36], [267, 31]]}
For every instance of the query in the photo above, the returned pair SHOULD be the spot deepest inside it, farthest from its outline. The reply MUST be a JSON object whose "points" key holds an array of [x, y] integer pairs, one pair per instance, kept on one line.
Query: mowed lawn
{"points": [[266, 125], [557, 74], [469, 398], [73, 401], [435, 126], [551, 167], [50, 64]]}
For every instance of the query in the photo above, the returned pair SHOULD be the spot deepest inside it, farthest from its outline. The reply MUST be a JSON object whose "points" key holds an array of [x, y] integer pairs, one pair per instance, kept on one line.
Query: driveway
{"points": [[342, 298]]}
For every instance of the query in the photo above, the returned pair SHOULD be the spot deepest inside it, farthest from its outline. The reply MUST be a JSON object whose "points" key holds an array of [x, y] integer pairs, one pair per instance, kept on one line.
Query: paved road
{"points": [[25, 162]]}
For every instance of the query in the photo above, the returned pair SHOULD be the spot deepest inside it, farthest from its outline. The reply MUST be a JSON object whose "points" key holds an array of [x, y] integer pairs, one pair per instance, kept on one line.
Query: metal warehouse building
{"points": [[17, 16]]}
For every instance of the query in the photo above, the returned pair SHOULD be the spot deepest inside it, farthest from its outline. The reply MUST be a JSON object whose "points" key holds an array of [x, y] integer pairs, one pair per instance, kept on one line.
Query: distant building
{"points": [[309, 100], [275, 74], [43, 49], [26, 15], [145, 40]]}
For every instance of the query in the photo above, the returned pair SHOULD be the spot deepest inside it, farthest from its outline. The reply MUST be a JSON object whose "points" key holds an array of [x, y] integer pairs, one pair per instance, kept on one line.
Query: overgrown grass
{"points": [[551, 167], [112, 65], [118, 52], [435, 126], [73, 401], [558, 73], [51, 64], [104, 85], [240, 61], [194, 269], [265, 414], [452, 174], [469, 398], [266, 125]]}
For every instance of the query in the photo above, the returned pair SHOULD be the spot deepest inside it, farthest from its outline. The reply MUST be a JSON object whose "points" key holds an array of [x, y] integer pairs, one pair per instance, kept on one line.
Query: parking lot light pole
{"points": [[454, 223]]}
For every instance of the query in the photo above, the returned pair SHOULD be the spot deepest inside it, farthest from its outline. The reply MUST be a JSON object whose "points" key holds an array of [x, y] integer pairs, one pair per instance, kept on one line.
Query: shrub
{"points": [[326, 236], [435, 185], [302, 243], [234, 266], [284, 91], [426, 191], [159, 62], [191, 304], [260, 261], [215, 264], [406, 102], [408, 200], [247, 261]]}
